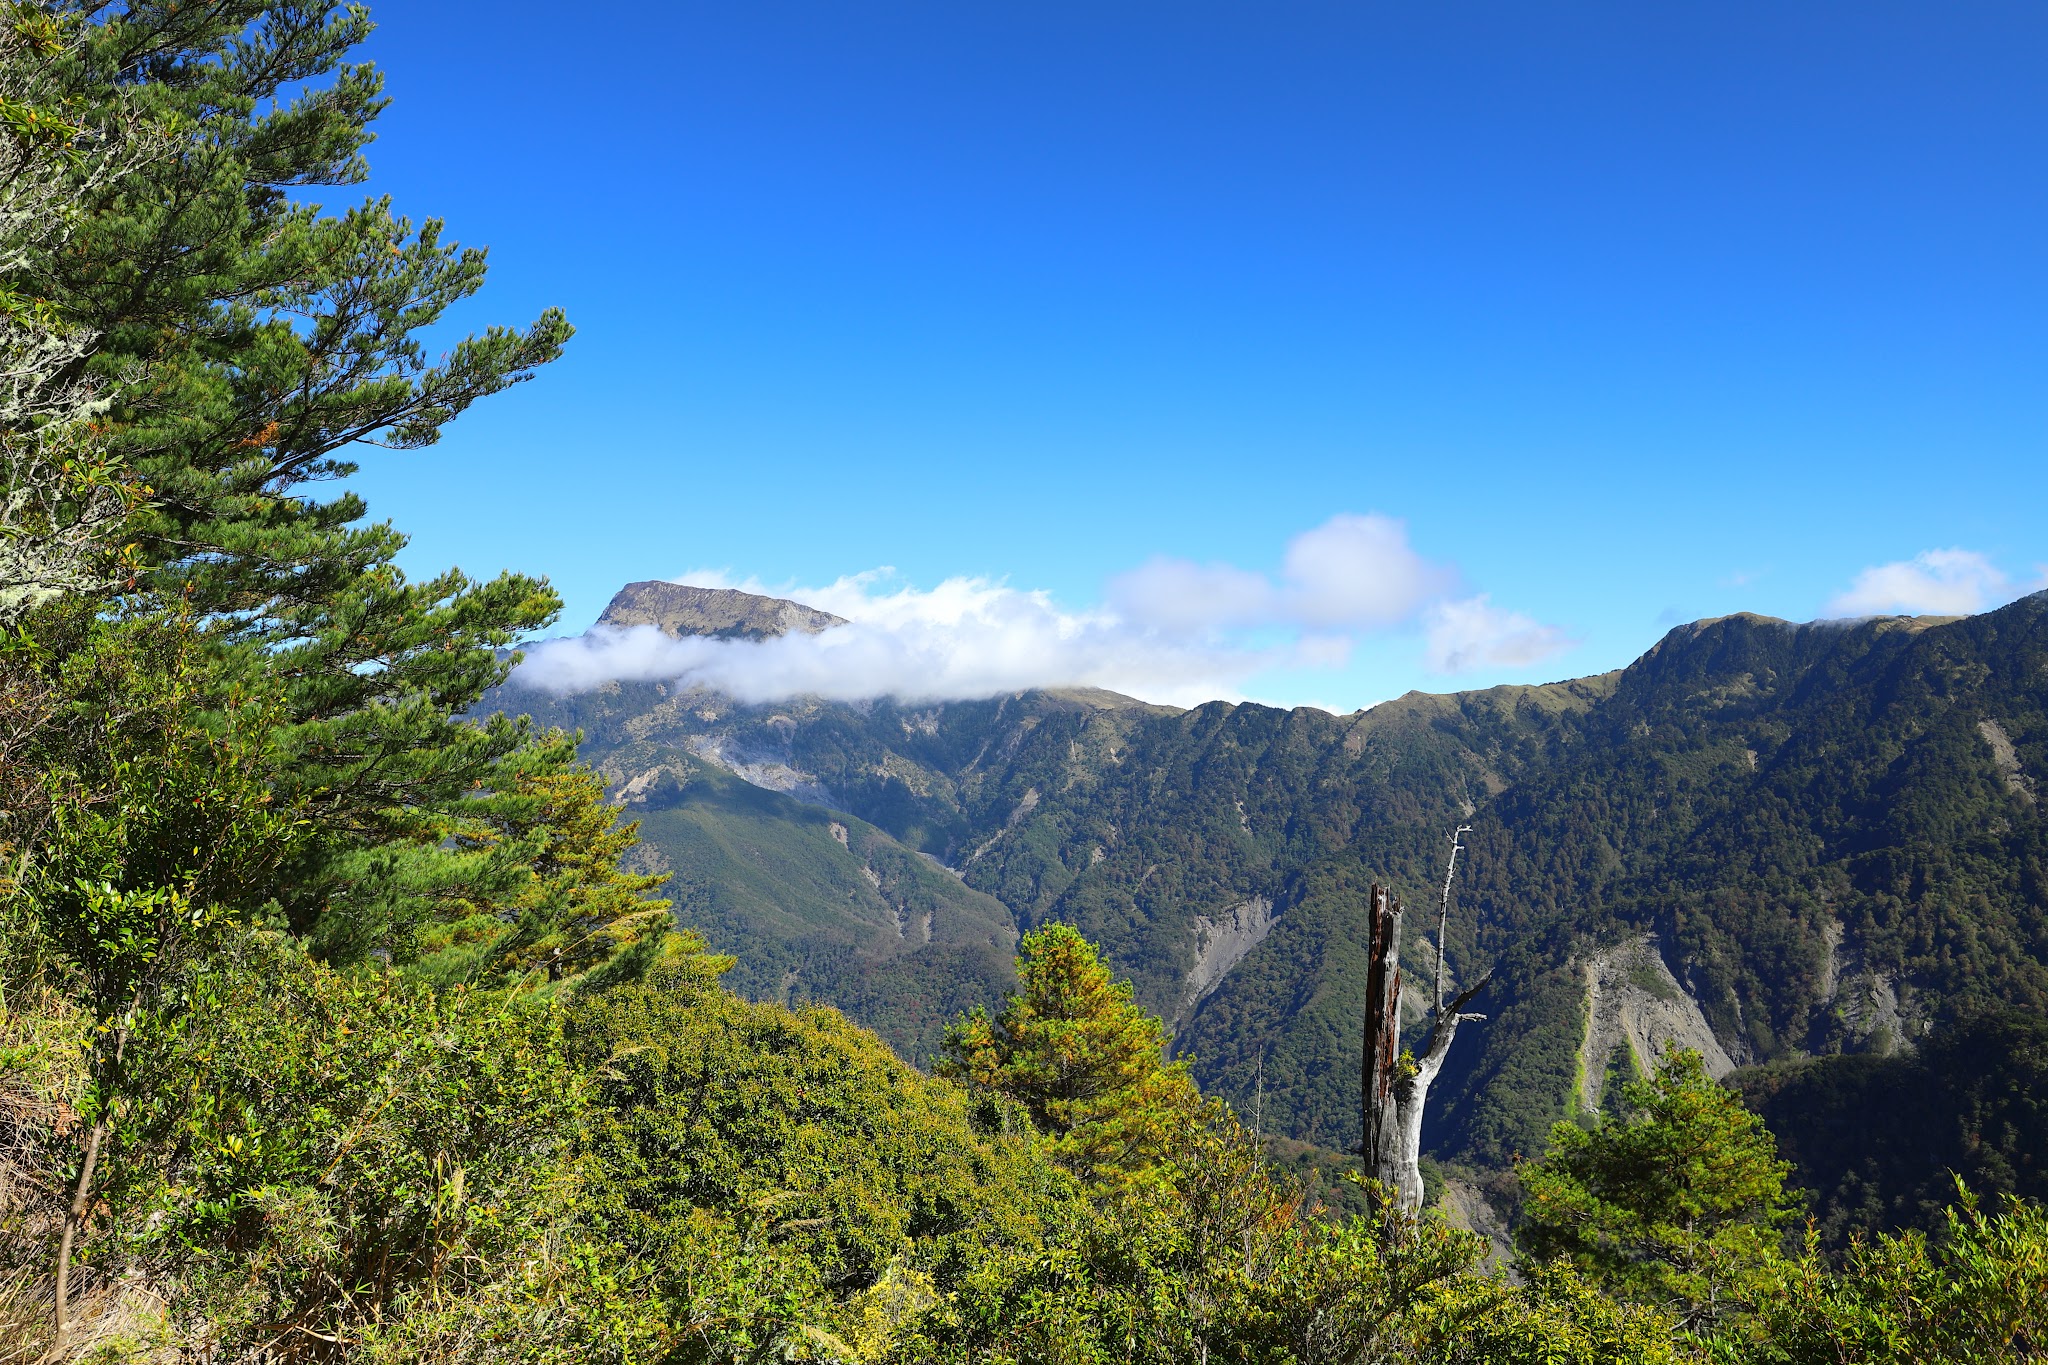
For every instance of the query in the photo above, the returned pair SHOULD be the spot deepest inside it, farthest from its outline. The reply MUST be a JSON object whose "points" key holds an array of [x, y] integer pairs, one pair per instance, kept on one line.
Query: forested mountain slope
{"points": [[1779, 839], [1870, 1160]]}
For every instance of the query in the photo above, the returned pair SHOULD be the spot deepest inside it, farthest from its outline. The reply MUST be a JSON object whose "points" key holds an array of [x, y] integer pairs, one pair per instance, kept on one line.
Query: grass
{"points": [[125, 1323]]}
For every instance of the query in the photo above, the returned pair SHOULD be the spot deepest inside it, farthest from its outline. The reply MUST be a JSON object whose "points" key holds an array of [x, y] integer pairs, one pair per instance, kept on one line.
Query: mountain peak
{"points": [[721, 613]]}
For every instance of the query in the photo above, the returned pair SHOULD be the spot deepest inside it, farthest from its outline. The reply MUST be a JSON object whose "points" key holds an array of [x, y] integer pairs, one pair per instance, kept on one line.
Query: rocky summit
{"points": [[720, 613]]}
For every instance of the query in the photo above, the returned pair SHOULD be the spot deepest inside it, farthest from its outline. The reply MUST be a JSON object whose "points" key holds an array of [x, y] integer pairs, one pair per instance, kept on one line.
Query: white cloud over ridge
{"points": [[967, 637], [1171, 630], [1352, 572], [1952, 582], [1473, 634]]}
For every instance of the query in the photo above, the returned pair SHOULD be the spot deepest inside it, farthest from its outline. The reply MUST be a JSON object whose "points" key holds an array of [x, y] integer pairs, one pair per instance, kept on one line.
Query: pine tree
{"points": [[235, 710], [1676, 1203], [1086, 1063], [572, 909], [61, 495], [245, 341]]}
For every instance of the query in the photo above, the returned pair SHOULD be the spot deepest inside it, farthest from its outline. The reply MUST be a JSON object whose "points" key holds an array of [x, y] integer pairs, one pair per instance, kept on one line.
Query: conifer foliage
{"points": [[1676, 1201], [241, 340], [1085, 1062], [238, 341]]}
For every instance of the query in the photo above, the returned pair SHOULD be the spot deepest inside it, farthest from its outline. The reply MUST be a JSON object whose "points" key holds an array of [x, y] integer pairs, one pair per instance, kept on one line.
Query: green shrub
{"points": [[771, 1178], [1976, 1295], [332, 1150]]}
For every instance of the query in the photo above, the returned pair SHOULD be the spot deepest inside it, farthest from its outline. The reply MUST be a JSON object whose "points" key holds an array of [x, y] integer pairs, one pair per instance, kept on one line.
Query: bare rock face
{"points": [[2007, 758], [1466, 1206], [1633, 1001], [1221, 943], [721, 613]]}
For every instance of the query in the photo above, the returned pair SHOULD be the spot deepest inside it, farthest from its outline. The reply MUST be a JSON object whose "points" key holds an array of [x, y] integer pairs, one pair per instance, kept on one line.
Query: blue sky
{"points": [[1307, 352]]}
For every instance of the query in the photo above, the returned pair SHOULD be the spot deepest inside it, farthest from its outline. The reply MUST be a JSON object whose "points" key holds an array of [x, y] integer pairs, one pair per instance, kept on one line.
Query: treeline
{"points": [[333, 1029], [331, 1164]]}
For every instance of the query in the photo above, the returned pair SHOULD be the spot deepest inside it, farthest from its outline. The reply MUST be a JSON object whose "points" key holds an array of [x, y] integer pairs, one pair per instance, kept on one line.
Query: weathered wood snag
{"points": [[1395, 1085], [1381, 1147]]}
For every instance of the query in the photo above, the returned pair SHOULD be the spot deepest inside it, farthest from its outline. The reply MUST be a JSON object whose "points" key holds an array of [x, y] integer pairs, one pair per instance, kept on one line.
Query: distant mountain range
{"points": [[1763, 839]]}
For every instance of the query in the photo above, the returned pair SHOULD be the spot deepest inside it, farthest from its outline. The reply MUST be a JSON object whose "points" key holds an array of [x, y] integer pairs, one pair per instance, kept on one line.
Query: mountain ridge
{"points": [[1806, 817]]}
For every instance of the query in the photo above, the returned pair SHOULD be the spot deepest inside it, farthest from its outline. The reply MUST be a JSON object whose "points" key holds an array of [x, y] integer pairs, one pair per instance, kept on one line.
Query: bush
{"points": [[1976, 1294], [330, 1152], [770, 1178]]}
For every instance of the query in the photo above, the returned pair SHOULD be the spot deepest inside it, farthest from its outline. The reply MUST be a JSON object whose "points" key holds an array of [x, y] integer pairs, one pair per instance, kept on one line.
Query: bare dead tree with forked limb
{"points": [[1443, 915], [1395, 1085]]}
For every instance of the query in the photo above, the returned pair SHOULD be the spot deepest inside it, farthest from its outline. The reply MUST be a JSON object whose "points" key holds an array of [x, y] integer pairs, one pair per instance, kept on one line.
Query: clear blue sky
{"points": [[1632, 314]]}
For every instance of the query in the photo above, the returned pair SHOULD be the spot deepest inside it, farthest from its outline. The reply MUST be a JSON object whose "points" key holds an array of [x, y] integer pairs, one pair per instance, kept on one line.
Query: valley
{"points": [[1769, 841]]}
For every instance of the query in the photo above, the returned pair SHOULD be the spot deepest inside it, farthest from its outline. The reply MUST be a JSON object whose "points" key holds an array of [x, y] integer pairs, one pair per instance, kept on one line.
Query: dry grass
{"points": [[41, 1072], [123, 1323], [41, 1054]]}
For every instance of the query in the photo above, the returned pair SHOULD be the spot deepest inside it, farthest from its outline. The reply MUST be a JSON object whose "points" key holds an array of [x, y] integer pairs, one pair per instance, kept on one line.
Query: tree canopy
{"points": [[1676, 1200], [1087, 1065]]}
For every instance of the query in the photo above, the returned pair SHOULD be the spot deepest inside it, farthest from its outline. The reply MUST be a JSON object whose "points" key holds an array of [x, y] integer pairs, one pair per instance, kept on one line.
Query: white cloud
{"points": [[1181, 595], [1324, 651], [1170, 630], [967, 637], [1473, 633], [1360, 572], [1950, 582], [1351, 572], [724, 578]]}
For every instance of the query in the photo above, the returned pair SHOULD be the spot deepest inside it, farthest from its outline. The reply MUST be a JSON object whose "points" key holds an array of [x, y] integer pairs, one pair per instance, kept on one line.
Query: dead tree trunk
{"points": [[1396, 1084], [1382, 1145]]}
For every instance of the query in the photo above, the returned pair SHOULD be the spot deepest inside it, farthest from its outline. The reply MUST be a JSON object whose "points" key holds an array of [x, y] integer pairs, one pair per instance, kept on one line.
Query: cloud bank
{"points": [[967, 637], [1351, 572], [1170, 630], [1473, 634], [1953, 582]]}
